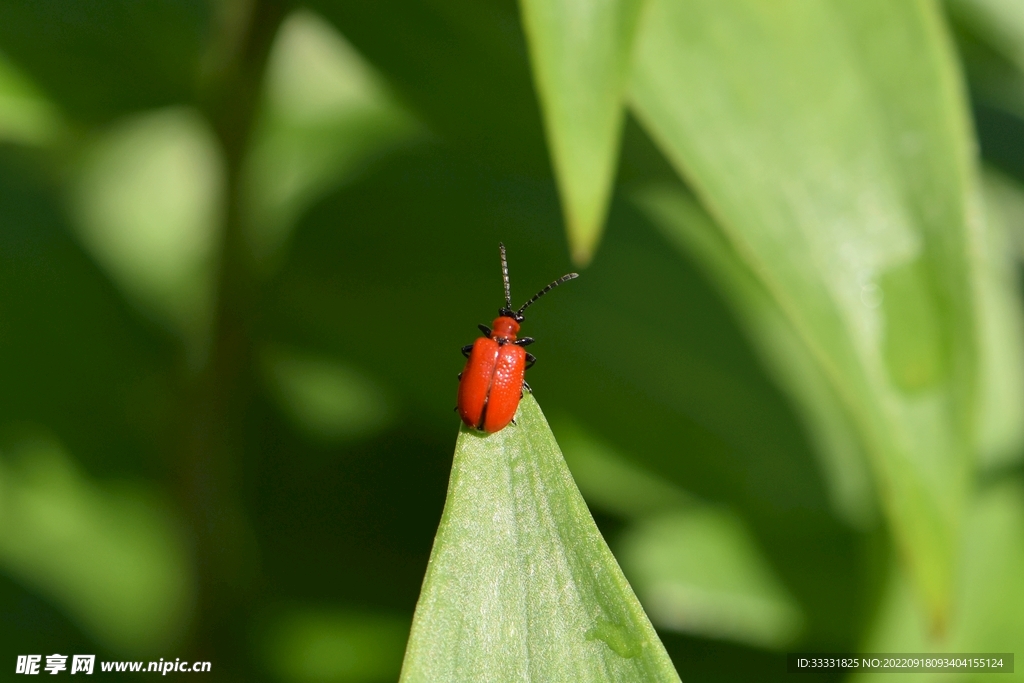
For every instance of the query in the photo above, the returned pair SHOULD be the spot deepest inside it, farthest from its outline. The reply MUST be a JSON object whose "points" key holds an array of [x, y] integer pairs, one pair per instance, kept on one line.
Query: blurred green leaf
{"points": [[699, 571], [327, 400], [324, 114], [580, 52], [989, 597], [1000, 313], [830, 142], [840, 453], [335, 646], [610, 481], [460, 66], [995, 80], [999, 22], [147, 199], [26, 115], [113, 557], [520, 584], [1005, 198]]}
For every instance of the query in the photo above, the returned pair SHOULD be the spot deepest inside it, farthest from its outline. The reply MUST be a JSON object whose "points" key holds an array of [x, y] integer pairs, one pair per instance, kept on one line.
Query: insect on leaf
{"points": [[520, 585]]}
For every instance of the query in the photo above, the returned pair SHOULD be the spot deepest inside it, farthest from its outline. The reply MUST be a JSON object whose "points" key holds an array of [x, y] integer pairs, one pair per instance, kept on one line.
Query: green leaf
{"points": [[327, 400], [1005, 198], [992, 556], [112, 558], [699, 571], [1000, 328], [829, 140], [837, 444], [990, 594], [999, 22], [520, 584], [324, 114], [146, 198], [580, 52], [26, 115], [995, 75]]}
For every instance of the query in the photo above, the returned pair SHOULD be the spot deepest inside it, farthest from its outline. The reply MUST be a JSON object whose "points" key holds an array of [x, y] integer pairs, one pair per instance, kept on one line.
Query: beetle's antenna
{"points": [[564, 278], [504, 277]]}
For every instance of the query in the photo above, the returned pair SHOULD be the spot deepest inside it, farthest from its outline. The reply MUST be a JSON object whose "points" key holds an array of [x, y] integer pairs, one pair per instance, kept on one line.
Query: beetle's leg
{"points": [[525, 341], [527, 387], [466, 350], [530, 360], [459, 376], [486, 330]]}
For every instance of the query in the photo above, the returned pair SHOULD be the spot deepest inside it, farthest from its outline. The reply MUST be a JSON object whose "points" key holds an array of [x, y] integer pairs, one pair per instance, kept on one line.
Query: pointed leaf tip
{"points": [[580, 54], [520, 585]]}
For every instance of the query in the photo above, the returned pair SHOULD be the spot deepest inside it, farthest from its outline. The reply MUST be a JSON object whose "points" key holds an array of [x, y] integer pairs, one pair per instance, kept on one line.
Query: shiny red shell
{"points": [[492, 381]]}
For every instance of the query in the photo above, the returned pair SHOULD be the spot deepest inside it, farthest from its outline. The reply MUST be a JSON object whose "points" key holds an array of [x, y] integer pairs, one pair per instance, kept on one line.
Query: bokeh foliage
{"points": [[241, 243]]}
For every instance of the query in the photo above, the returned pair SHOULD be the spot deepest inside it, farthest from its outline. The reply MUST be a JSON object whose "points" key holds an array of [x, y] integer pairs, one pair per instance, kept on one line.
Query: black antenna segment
{"points": [[564, 278], [504, 277]]}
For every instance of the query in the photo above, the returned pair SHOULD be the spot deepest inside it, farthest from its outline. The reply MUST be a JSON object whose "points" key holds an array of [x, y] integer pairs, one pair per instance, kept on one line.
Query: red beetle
{"points": [[492, 382]]}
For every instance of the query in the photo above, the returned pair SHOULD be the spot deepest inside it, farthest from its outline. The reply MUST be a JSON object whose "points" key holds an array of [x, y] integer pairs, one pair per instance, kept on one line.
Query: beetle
{"points": [[492, 382]]}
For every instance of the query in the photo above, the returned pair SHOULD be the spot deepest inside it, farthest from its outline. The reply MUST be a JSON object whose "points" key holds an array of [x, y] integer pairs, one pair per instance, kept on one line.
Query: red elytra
{"points": [[492, 383]]}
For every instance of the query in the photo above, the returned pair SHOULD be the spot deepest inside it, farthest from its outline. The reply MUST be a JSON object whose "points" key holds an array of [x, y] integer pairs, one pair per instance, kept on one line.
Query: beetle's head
{"points": [[505, 312]]}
